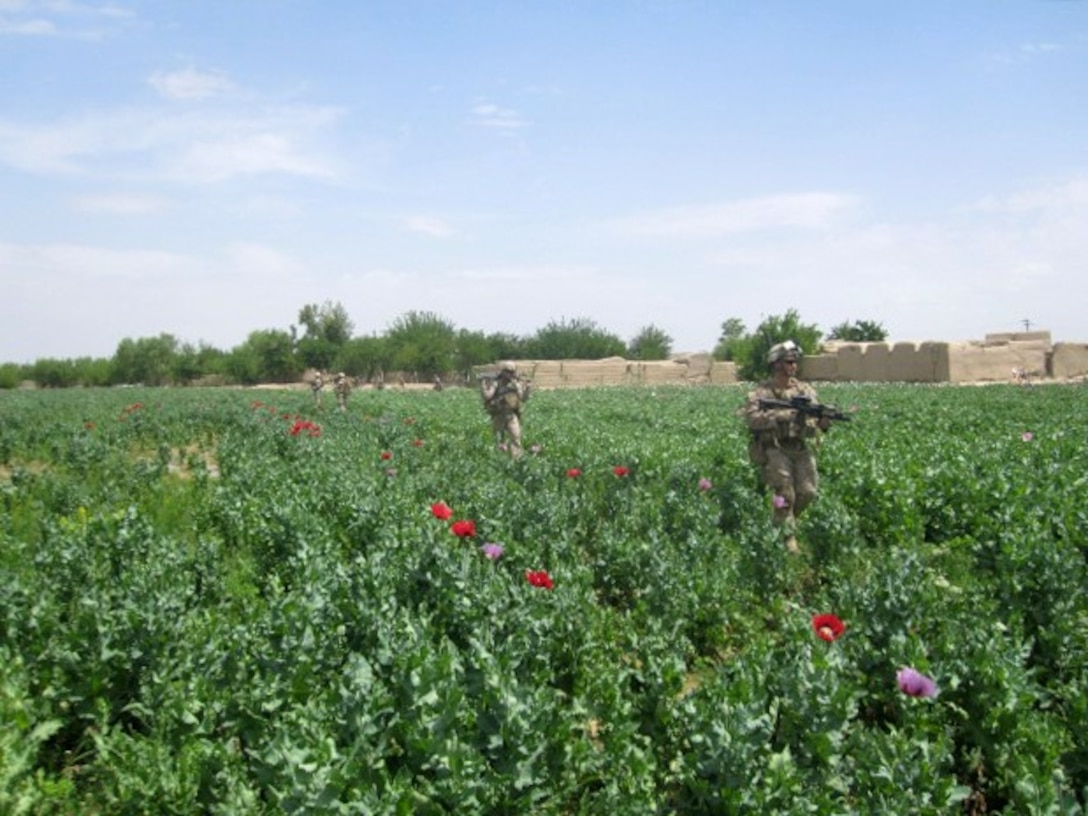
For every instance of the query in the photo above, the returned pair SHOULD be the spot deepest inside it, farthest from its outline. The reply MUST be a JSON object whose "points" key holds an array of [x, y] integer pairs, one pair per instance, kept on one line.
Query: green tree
{"points": [[577, 339], [506, 346], [423, 343], [147, 360], [94, 372], [327, 328], [193, 362], [733, 342], [651, 343], [775, 329], [860, 331], [364, 357], [10, 375], [266, 356], [473, 348], [50, 372]]}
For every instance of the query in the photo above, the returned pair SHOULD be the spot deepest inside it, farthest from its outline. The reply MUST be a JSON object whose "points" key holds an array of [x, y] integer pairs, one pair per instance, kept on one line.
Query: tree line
{"points": [[421, 345]]}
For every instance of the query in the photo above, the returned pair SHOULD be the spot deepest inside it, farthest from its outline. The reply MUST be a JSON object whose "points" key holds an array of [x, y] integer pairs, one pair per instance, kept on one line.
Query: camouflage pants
{"points": [[507, 428], [792, 475]]}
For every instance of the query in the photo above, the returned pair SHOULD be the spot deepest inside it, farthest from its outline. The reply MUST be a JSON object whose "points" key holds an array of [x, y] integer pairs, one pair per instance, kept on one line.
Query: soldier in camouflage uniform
{"points": [[783, 439], [504, 395], [341, 386], [317, 385]]}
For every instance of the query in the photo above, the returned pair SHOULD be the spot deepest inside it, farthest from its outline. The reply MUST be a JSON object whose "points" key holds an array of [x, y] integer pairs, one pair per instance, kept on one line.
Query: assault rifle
{"points": [[806, 407]]}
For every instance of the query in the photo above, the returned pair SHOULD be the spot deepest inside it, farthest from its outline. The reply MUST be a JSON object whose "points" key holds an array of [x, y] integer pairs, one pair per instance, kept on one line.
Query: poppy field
{"points": [[238, 602]]}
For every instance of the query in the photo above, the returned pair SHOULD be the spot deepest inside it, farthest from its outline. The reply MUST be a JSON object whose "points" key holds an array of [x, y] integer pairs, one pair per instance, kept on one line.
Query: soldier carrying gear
{"points": [[341, 386], [781, 438], [503, 396], [317, 385]]}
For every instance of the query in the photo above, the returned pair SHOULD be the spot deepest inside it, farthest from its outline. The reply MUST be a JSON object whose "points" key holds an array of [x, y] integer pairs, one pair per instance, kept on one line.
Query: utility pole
{"points": [[1027, 324]]}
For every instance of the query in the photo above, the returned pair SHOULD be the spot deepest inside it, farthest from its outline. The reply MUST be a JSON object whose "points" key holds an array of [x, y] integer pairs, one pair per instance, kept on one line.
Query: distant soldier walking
{"points": [[504, 395], [341, 386], [781, 444], [317, 386]]}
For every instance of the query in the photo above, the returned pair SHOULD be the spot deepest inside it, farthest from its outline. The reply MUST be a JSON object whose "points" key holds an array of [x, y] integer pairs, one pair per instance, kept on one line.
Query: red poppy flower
{"points": [[463, 529], [386, 456], [539, 578], [441, 510], [620, 470], [305, 425], [828, 627], [88, 425], [574, 473], [417, 443]]}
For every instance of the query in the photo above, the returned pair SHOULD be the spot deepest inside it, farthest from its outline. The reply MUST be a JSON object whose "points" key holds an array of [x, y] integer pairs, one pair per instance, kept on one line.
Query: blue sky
{"points": [[207, 167]]}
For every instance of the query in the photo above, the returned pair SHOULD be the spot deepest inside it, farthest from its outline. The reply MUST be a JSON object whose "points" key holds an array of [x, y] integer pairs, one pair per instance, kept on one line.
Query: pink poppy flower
{"points": [[493, 551], [705, 484], [780, 501], [914, 683]]}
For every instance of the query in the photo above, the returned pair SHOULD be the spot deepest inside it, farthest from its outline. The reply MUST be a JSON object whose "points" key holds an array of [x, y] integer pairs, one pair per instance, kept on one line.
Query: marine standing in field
{"points": [[317, 385], [341, 386], [504, 395], [782, 439]]}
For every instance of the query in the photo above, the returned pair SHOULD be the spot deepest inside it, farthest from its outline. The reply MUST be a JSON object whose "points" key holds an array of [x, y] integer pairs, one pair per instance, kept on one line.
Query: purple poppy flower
{"points": [[1027, 436], [780, 501], [493, 551], [705, 484], [914, 683]]}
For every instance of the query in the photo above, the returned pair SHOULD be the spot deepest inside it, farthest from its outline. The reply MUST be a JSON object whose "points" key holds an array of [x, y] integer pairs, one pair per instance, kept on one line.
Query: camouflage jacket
{"points": [[779, 427], [505, 396]]}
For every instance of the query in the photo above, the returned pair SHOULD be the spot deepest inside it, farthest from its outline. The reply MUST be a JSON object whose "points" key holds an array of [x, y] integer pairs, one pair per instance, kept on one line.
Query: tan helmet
{"points": [[788, 350], [508, 367]]}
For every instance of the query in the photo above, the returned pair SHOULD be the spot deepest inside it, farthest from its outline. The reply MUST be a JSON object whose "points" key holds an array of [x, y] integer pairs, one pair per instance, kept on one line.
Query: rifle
{"points": [[806, 407]]}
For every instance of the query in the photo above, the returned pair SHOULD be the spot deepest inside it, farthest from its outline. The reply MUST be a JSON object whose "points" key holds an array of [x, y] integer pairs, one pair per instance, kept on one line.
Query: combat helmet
{"points": [[508, 367], [788, 350]]}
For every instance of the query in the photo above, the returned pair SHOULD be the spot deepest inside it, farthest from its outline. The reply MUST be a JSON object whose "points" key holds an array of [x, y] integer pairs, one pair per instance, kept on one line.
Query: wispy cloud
{"points": [[1023, 53], [490, 115], [798, 210], [62, 18], [1072, 194], [118, 204], [545, 273], [186, 148], [263, 263], [36, 27], [189, 83], [430, 226], [66, 263]]}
